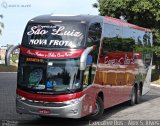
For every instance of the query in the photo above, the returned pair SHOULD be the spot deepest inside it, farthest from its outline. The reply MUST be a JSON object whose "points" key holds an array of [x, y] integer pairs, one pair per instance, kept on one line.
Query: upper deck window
{"points": [[57, 35]]}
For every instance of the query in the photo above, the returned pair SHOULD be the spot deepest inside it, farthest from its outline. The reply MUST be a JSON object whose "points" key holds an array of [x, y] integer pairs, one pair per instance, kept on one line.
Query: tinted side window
{"points": [[147, 39], [145, 48], [94, 36], [117, 39]]}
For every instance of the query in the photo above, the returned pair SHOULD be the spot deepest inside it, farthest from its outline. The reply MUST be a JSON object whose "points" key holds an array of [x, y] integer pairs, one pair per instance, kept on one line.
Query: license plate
{"points": [[44, 111]]}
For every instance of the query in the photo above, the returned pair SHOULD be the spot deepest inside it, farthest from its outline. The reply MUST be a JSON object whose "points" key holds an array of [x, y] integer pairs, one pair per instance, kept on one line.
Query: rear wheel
{"points": [[132, 101], [138, 95], [99, 109]]}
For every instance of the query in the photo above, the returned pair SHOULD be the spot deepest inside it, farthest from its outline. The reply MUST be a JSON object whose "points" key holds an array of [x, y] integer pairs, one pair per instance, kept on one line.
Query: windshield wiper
{"points": [[70, 91]]}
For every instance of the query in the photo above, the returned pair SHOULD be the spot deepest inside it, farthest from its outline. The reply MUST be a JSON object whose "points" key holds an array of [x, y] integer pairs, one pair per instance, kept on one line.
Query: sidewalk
{"points": [[155, 85]]}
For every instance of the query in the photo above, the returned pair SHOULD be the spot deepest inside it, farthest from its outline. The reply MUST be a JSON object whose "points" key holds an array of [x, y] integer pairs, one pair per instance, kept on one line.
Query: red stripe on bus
{"points": [[48, 98], [51, 54]]}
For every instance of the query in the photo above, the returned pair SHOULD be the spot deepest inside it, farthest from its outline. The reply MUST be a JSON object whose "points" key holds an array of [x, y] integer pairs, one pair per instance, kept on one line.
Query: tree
{"points": [[1, 25], [145, 13]]}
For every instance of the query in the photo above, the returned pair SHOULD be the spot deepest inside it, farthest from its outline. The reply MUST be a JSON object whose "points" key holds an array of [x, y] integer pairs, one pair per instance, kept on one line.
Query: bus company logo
{"points": [[61, 31], [56, 30], [37, 30], [52, 42], [119, 61]]}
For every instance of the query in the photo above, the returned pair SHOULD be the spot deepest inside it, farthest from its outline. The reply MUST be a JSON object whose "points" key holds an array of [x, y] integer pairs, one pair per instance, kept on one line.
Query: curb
{"points": [[155, 85]]}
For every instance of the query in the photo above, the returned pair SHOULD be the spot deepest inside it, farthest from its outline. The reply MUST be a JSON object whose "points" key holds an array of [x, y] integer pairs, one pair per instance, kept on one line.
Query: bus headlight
{"points": [[21, 98], [74, 101]]}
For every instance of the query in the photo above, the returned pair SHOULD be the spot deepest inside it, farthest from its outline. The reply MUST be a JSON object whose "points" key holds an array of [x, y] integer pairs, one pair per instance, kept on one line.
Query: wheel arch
{"points": [[101, 95]]}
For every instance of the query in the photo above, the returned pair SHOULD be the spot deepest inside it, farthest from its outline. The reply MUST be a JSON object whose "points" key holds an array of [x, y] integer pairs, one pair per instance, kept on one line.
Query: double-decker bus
{"points": [[76, 66]]}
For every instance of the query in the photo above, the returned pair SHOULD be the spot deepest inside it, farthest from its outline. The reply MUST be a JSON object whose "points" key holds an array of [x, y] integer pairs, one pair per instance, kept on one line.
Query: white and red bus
{"points": [[76, 66]]}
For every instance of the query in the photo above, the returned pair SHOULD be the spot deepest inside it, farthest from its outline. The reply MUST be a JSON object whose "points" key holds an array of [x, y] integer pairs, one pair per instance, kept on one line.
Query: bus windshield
{"points": [[55, 35], [54, 76]]}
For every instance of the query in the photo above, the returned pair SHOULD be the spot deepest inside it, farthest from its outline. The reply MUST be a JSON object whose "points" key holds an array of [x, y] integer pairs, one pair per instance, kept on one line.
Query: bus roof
{"points": [[123, 23], [86, 18], [52, 18]]}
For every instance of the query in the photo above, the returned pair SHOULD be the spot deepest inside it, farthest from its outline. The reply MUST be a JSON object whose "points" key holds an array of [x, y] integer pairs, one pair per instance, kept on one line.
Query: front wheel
{"points": [[99, 109]]}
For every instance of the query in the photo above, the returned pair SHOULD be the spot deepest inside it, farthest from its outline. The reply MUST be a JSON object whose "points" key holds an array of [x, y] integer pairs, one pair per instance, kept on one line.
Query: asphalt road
{"points": [[147, 110]]}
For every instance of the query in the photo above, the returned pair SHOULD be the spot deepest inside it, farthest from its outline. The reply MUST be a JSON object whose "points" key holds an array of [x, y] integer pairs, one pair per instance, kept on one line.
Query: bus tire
{"points": [[132, 100], [138, 95], [99, 109]]}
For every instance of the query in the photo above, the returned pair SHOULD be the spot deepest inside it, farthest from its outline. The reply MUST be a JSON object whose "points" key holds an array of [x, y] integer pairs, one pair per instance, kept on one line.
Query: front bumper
{"points": [[55, 109]]}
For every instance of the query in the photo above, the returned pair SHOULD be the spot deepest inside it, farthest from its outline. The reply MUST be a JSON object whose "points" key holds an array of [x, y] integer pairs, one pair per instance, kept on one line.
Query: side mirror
{"points": [[83, 59], [8, 52]]}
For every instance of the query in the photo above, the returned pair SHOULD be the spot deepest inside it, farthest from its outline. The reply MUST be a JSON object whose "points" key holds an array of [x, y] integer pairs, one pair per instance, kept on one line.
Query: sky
{"points": [[16, 14]]}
